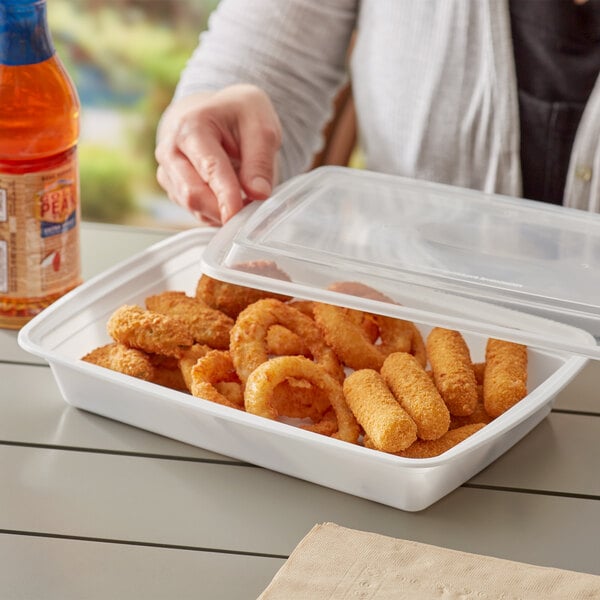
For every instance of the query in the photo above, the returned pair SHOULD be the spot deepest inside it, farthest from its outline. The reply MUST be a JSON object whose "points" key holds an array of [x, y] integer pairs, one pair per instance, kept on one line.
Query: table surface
{"points": [[93, 508]]}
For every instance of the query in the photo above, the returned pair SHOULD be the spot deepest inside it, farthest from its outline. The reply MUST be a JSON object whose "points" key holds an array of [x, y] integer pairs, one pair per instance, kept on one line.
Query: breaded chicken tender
{"points": [[505, 378], [381, 416], [207, 325], [452, 370], [149, 331], [416, 392], [123, 359]]}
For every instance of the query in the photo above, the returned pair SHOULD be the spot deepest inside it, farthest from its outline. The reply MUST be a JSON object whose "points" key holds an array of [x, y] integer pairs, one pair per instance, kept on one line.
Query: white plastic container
{"points": [[318, 230]]}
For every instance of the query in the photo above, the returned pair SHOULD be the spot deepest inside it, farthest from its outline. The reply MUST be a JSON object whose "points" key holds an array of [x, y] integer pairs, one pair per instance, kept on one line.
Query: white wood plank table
{"points": [[92, 508]]}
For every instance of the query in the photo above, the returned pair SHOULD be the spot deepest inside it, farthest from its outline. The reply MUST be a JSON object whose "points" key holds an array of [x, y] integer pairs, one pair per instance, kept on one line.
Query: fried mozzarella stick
{"points": [[414, 389], [207, 325], [149, 331], [505, 378], [386, 423], [430, 448], [452, 370]]}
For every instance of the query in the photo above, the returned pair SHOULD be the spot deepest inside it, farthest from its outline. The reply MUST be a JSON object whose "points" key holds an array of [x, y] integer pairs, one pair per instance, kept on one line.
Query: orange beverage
{"points": [[39, 180]]}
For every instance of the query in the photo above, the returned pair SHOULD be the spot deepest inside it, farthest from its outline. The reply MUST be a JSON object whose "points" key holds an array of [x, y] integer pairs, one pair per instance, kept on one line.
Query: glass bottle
{"points": [[39, 179]]}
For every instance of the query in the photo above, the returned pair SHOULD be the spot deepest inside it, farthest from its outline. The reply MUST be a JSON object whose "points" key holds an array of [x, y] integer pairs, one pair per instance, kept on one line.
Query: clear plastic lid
{"points": [[458, 258]]}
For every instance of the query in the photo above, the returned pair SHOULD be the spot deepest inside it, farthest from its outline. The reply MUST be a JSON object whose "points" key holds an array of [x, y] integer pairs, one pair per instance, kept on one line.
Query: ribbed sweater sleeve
{"points": [[293, 49]]}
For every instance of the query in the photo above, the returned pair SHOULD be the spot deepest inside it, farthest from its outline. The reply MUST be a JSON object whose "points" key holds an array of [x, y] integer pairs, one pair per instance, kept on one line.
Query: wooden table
{"points": [[92, 508]]}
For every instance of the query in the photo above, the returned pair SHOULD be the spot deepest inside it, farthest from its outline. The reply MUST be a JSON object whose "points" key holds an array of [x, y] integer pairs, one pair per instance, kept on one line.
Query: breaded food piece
{"points": [[414, 389], [479, 415], [300, 399], [121, 358], [452, 370], [207, 325], [283, 342], [188, 359], [431, 448], [248, 345], [417, 347], [355, 288], [505, 378], [343, 330], [260, 386], [216, 366], [149, 331], [381, 416], [232, 390], [232, 299], [169, 378], [479, 370]]}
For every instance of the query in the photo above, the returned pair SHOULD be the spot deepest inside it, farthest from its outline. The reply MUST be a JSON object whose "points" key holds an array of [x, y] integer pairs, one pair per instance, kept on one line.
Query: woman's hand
{"points": [[217, 150]]}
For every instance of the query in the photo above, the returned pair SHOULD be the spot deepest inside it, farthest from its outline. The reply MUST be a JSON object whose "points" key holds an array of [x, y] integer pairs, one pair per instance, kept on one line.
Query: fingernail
{"points": [[225, 214], [261, 186]]}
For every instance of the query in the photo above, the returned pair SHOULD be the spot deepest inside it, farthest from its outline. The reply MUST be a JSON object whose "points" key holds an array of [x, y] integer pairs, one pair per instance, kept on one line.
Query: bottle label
{"points": [[39, 232]]}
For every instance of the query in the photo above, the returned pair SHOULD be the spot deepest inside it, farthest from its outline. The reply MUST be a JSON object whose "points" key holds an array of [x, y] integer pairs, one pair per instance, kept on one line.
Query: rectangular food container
{"points": [[449, 257]]}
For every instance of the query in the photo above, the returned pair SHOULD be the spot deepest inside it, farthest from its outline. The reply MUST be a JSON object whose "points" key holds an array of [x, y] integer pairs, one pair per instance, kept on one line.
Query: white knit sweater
{"points": [[433, 80]]}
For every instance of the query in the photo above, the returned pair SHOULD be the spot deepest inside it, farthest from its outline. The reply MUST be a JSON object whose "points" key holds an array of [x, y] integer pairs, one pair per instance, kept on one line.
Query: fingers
{"points": [[260, 143], [185, 187], [216, 150], [214, 167]]}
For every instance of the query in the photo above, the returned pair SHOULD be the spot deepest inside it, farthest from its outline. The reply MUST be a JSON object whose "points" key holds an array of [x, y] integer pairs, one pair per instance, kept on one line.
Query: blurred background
{"points": [[125, 57]]}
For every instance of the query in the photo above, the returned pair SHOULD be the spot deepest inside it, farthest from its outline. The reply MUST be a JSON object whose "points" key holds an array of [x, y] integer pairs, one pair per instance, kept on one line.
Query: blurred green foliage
{"points": [[124, 56], [107, 177]]}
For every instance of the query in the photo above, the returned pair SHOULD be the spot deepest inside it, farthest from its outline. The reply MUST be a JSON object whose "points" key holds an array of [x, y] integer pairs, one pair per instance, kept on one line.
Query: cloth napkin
{"points": [[336, 563]]}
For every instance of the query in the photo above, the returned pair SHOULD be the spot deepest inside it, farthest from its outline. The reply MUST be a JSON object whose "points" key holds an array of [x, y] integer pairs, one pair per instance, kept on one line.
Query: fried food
{"points": [[479, 370], [452, 370], [214, 367], [381, 416], [300, 399], [342, 329], [505, 378], [261, 383], [188, 359], [414, 389], [207, 325], [149, 331], [354, 288], [431, 448], [281, 342], [167, 372], [248, 343], [232, 299], [121, 358], [479, 415]]}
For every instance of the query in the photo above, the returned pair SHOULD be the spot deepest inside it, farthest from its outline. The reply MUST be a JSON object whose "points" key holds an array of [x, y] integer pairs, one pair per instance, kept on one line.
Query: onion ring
{"points": [[216, 366], [248, 345], [258, 394]]}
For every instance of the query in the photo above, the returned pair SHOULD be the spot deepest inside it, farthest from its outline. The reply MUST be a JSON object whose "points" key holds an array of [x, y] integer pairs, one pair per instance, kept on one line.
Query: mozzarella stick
{"points": [[387, 424], [417, 394], [149, 331], [452, 369], [431, 448], [505, 378]]}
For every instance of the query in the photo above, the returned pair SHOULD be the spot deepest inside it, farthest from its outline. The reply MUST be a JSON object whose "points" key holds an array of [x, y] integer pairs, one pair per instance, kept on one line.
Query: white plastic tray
{"points": [[76, 324]]}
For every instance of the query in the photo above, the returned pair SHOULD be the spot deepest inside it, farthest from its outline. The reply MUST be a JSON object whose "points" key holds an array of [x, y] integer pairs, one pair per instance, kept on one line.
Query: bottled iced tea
{"points": [[39, 181]]}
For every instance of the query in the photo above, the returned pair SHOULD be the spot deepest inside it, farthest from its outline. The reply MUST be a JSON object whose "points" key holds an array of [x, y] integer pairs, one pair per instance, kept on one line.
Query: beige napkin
{"points": [[336, 563]]}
